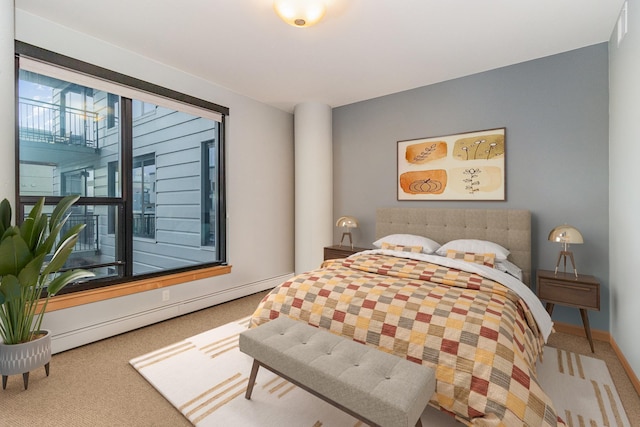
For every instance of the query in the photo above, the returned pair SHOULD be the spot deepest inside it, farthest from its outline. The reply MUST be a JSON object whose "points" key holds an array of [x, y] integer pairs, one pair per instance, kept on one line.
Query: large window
{"points": [[149, 169]]}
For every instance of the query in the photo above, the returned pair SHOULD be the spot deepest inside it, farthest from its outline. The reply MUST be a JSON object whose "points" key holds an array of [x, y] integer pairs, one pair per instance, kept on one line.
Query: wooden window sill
{"points": [[101, 294]]}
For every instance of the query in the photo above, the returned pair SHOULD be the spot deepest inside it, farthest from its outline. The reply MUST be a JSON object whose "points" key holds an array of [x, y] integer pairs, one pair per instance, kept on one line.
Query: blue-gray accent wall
{"points": [[555, 111]]}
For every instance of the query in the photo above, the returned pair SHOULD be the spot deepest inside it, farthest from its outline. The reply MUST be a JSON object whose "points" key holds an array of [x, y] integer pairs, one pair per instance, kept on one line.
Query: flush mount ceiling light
{"points": [[300, 13]]}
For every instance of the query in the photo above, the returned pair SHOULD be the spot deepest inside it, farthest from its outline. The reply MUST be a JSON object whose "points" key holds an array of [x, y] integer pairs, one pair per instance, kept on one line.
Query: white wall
{"points": [[7, 100], [259, 142], [624, 196]]}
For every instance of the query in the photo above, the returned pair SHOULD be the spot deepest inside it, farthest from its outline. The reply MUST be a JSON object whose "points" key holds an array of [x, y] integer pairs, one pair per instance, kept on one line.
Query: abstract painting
{"points": [[463, 166]]}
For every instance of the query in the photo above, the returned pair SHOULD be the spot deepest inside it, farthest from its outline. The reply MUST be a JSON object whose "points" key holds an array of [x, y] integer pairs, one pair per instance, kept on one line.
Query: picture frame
{"points": [[462, 166]]}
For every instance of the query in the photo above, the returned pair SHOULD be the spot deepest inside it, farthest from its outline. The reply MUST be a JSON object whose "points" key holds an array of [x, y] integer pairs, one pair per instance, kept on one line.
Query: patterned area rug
{"points": [[581, 389], [205, 378]]}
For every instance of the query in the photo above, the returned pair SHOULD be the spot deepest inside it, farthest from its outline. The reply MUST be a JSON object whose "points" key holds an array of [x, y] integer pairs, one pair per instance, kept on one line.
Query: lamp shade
{"points": [[566, 234], [300, 13], [347, 221]]}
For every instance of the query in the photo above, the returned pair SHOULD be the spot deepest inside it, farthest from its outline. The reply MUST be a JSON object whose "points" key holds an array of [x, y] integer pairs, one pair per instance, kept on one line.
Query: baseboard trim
{"points": [[579, 331], [601, 336], [625, 364]]}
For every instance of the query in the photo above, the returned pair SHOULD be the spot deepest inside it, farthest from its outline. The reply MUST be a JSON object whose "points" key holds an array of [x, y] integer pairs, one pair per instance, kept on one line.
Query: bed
{"points": [[478, 326]]}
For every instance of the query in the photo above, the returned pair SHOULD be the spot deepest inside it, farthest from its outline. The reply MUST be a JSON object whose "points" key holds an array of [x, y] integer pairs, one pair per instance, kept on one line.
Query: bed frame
{"points": [[510, 228]]}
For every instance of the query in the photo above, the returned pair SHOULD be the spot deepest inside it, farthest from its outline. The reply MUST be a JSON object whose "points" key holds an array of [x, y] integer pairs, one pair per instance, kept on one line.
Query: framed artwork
{"points": [[463, 166]]}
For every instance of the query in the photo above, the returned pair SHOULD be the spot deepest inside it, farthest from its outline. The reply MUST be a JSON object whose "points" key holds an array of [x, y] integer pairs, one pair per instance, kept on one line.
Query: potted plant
{"points": [[31, 256]]}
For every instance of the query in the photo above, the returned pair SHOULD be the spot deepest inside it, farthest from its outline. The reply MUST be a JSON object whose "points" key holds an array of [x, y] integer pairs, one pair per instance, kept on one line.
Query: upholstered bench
{"points": [[378, 388]]}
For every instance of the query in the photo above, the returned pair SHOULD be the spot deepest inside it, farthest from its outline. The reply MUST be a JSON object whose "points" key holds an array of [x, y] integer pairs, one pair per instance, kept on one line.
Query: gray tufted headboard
{"points": [[510, 228]]}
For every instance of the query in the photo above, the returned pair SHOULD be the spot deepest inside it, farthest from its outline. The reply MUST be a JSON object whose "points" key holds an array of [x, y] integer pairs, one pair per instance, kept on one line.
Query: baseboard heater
{"points": [[92, 333]]}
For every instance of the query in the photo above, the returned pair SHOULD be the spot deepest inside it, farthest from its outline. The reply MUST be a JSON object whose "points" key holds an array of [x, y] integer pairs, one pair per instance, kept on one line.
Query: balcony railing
{"points": [[88, 238], [144, 224], [49, 123]]}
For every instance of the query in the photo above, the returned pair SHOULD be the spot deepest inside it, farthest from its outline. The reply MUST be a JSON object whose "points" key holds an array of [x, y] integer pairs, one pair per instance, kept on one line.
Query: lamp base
{"points": [[346, 233], [563, 256]]}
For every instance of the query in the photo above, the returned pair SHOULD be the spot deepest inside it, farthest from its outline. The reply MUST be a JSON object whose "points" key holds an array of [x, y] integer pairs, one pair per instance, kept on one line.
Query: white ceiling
{"points": [[361, 50]]}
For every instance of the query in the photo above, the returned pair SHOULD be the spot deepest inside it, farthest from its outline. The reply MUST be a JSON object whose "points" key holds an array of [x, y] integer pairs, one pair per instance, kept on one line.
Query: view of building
{"points": [[76, 139]]}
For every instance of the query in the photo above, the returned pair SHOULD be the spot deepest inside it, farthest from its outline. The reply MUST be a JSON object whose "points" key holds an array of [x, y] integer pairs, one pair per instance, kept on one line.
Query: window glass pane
{"points": [[140, 108], [144, 196], [113, 110], [168, 191], [66, 142], [95, 250], [209, 194], [77, 182], [113, 187]]}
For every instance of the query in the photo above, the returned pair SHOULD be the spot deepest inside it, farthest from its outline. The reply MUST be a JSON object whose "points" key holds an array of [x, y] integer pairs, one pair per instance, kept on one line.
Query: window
{"points": [[144, 196], [113, 110], [150, 187], [77, 182], [141, 108], [209, 198], [113, 184]]}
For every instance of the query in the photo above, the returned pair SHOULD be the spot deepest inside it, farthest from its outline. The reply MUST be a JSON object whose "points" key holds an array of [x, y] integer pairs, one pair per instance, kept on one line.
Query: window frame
{"points": [[123, 205]]}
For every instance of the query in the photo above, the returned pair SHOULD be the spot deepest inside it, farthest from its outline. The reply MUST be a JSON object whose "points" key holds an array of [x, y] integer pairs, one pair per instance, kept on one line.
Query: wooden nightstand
{"points": [[336, 251], [582, 292]]}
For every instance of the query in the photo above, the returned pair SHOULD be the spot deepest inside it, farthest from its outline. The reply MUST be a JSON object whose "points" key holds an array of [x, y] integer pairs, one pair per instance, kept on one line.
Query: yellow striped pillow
{"points": [[488, 259], [401, 248]]}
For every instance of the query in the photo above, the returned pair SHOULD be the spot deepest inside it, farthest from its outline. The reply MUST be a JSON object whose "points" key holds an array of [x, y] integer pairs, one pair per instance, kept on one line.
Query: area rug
{"points": [[205, 378], [581, 389]]}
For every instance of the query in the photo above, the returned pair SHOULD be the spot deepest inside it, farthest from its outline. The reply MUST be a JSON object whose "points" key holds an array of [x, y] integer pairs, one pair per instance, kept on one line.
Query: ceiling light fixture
{"points": [[300, 13]]}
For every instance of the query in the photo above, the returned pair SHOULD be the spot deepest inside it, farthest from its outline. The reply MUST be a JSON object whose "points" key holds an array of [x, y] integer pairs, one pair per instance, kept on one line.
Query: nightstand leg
{"points": [[587, 328], [550, 308]]}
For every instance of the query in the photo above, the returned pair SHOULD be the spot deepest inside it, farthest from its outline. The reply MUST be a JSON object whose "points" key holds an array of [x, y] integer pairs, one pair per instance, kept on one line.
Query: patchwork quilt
{"points": [[477, 334]]}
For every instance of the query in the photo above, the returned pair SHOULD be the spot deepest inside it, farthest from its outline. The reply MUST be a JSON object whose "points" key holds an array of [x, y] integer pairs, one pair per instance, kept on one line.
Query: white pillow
{"points": [[428, 246], [474, 246], [510, 268]]}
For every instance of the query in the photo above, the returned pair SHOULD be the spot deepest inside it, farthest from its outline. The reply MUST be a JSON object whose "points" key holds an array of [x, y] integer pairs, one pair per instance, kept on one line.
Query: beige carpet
{"points": [[95, 386], [205, 377]]}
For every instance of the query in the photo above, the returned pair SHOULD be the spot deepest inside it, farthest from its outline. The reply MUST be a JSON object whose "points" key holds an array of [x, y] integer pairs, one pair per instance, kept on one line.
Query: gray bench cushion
{"points": [[381, 387]]}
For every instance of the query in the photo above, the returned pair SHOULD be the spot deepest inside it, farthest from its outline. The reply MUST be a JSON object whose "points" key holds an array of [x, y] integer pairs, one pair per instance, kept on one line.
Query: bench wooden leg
{"points": [[252, 379]]}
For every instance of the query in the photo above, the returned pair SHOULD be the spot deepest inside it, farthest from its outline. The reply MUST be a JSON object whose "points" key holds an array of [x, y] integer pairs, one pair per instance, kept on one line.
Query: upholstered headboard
{"points": [[510, 228]]}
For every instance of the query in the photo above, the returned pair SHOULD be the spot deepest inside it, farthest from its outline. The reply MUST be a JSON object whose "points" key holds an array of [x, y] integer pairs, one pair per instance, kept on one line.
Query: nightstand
{"points": [[582, 292], [336, 251]]}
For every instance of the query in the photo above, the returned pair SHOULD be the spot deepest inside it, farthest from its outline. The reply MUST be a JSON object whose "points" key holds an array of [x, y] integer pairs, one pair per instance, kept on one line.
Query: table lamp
{"points": [[566, 235], [347, 223]]}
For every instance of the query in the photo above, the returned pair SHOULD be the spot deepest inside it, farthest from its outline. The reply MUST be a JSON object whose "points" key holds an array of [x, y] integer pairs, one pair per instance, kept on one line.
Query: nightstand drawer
{"points": [[336, 252], [583, 295]]}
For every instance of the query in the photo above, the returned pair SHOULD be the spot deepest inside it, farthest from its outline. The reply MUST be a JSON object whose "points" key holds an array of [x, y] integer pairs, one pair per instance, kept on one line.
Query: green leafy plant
{"points": [[31, 256]]}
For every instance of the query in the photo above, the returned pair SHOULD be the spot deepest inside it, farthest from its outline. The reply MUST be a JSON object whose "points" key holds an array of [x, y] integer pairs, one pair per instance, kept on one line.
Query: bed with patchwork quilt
{"points": [[478, 326], [480, 335]]}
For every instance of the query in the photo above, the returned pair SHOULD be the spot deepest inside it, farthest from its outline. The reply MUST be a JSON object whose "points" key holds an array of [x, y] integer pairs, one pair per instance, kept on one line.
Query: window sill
{"points": [[102, 294]]}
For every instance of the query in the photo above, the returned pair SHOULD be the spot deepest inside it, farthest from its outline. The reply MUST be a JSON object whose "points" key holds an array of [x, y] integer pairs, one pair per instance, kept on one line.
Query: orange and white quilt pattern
{"points": [[477, 334]]}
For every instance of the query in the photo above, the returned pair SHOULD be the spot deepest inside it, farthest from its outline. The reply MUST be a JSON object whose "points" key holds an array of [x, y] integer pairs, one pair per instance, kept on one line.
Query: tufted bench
{"points": [[378, 388]]}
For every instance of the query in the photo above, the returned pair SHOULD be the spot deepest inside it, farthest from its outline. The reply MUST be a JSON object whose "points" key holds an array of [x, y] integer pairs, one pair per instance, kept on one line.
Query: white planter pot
{"points": [[25, 357]]}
